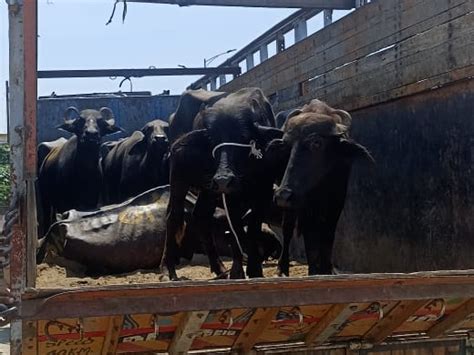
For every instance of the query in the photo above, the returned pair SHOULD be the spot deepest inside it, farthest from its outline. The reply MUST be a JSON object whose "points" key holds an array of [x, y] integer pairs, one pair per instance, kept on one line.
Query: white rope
{"points": [[230, 224], [257, 153]]}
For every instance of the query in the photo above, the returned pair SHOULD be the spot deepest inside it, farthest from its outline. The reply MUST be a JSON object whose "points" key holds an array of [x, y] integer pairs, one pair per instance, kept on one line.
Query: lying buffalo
{"points": [[137, 163], [219, 154], [319, 155], [70, 176], [129, 236]]}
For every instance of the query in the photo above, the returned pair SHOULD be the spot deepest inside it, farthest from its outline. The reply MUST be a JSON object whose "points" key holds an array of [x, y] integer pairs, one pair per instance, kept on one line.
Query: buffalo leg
{"points": [[203, 218], [174, 228], [326, 246], [254, 231], [288, 226], [318, 246]]}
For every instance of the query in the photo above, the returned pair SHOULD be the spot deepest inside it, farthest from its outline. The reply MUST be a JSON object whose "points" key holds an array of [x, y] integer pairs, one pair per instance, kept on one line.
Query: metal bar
{"points": [[222, 80], [301, 30], [263, 53], [266, 38], [17, 257], [322, 4], [452, 320], [30, 158], [327, 17], [216, 295], [7, 100], [135, 73], [249, 61], [213, 84]]}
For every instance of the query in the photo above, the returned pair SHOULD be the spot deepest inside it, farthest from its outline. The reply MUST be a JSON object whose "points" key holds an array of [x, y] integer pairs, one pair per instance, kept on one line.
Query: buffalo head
{"points": [[89, 125], [316, 141], [154, 141], [235, 137]]}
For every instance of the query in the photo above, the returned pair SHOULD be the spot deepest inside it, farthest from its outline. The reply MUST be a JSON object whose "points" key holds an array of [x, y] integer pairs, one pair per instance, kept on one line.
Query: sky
{"points": [[73, 35]]}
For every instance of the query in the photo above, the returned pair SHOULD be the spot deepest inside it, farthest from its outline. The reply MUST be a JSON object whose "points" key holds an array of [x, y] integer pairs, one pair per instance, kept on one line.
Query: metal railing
{"points": [[297, 22]]}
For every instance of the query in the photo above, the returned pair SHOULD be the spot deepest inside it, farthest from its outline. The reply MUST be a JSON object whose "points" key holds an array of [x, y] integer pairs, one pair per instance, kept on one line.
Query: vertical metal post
{"points": [[263, 53], [213, 83], [222, 80], [301, 30], [30, 159], [22, 17], [249, 61], [17, 271], [327, 17], [280, 43], [7, 100]]}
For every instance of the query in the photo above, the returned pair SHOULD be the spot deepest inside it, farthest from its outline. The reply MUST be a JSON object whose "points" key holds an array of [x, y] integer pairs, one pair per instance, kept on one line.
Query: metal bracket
{"points": [[8, 314]]}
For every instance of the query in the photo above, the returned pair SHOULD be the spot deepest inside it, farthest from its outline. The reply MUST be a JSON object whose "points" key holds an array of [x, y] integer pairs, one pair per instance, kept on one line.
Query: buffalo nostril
{"points": [[223, 183], [283, 197]]}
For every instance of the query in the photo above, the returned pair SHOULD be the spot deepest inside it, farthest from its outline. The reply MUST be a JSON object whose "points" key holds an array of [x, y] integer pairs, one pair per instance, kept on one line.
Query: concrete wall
{"points": [[131, 113]]}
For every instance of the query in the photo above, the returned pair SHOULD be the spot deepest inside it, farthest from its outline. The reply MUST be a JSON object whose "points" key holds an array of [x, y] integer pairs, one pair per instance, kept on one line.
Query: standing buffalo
{"points": [[137, 163], [219, 154], [70, 176], [313, 190]]}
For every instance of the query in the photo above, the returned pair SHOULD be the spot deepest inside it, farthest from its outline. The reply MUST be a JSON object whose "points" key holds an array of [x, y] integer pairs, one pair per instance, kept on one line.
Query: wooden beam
{"points": [[248, 337], [397, 316], [136, 73], [186, 332], [112, 336], [321, 4], [451, 321], [217, 295], [330, 324]]}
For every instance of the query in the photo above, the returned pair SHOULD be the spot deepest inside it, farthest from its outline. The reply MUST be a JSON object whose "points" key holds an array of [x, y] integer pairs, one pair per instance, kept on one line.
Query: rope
{"points": [[254, 151], [230, 224]]}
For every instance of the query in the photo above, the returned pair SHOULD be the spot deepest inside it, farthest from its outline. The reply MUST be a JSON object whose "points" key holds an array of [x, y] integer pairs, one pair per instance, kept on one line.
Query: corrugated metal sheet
{"points": [[131, 112]]}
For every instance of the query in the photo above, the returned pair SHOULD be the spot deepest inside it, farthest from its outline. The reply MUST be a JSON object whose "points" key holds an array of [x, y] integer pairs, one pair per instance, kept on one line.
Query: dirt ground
{"points": [[59, 273]]}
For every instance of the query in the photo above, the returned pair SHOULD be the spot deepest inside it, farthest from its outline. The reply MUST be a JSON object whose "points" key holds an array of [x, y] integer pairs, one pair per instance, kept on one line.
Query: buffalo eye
{"points": [[315, 144]]}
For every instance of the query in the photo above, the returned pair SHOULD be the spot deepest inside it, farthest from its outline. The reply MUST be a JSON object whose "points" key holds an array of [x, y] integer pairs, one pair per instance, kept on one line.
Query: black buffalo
{"points": [[137, 163], [218, 153], [320, 154], [70, 175]]}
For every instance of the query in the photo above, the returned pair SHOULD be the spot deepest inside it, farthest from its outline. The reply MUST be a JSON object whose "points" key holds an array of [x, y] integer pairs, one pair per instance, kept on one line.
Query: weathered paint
{"points": [[414, 210], [131, 112]]}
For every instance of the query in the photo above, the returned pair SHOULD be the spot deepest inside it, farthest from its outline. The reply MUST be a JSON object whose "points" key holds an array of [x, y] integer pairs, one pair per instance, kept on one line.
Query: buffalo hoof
{"points": [[281, 273], [223, 276], [219, 269], [237, 272], [254, 272], [168, 275]]}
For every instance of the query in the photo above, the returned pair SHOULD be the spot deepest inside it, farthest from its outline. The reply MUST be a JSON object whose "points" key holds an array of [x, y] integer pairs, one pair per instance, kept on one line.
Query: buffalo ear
{"points": [[109, 119], [71, 115], [352, 150]]}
